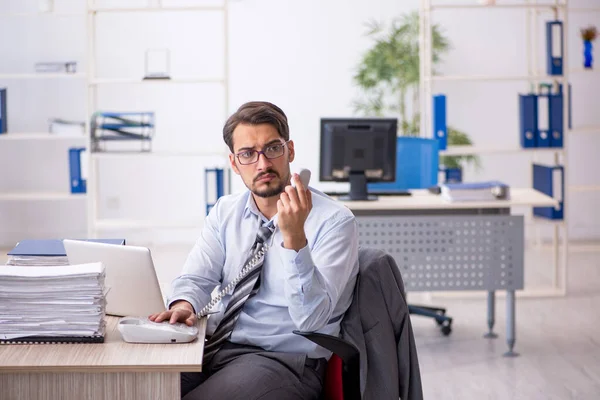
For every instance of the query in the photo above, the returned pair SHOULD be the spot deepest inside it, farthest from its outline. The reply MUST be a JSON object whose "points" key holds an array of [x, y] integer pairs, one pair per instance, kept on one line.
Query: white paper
{"points": [[52, 301]]}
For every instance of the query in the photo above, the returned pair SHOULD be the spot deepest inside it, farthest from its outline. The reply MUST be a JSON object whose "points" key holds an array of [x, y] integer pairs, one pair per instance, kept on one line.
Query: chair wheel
{"points": [[446, 328]]}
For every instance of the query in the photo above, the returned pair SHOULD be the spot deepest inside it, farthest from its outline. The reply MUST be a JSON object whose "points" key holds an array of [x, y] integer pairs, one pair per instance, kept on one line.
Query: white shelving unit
{"points": [[95, 223], [10, 137], [589, 129], [532, 7]]}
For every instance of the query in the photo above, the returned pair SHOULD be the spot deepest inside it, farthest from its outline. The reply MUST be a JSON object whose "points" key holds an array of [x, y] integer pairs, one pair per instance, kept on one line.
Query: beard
{"points": [[272, 189]]}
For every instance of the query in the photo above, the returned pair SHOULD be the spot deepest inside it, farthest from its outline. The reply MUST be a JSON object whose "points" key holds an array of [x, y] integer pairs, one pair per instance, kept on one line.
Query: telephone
{"points": [[142, 330], [252, 261]]}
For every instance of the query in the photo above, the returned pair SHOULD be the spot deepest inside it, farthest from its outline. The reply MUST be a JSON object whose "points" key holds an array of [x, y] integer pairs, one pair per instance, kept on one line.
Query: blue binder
{"points": [[543, 120], [214, 186], [51, 247], [554, 47], [418, 168], [440, 129], [3, 116], [78, 183], [551, 181], [556, 109], [528, 120]]}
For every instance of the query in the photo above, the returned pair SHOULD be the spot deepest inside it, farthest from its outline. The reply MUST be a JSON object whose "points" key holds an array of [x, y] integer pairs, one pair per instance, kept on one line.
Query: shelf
{"points": [[584, 188], [38, 136], [492, 77], [155, 81], [585, 129], [33, 196], [156, 9], [584, 9], [44, 14], [165, 154], [472, 150], [134, 224], [496, 6], [43, 75], [588, 71]]}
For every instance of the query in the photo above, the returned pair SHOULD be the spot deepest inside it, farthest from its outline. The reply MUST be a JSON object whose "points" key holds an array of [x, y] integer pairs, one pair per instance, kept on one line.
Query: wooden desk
{"points": [[114, 370]]}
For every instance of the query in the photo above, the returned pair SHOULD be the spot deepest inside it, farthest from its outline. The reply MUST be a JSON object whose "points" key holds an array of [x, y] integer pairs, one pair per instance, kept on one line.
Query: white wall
{"points": [[299, 55]]}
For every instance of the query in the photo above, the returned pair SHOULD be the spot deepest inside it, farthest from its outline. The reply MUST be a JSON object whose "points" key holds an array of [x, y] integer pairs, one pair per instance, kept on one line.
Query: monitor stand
{"points": [[358, 189]]}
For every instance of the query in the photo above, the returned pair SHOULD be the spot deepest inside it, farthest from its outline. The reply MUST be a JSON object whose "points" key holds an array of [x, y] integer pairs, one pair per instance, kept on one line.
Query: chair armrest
{"points": [[345, 350]]}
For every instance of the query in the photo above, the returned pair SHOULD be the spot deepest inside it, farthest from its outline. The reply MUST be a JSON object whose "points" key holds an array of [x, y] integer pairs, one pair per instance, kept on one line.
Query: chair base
{"points": [[437, 313]]}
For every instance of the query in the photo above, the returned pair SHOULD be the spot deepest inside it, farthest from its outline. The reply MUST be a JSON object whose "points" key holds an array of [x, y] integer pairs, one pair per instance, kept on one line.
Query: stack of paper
{"points": [[60, 303], [25, 260], [476, 191]]}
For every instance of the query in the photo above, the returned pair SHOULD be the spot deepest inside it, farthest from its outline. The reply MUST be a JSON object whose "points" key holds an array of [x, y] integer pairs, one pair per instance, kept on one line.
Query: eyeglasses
{"points": [[251, 156]]}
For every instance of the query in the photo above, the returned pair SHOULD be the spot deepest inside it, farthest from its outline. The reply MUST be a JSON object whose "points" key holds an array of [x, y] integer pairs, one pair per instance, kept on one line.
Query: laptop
{"points": [[133, 288]]}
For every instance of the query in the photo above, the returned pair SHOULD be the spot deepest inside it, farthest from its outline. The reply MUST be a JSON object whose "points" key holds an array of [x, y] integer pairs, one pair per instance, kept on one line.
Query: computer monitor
{"points": [[358, 150]]}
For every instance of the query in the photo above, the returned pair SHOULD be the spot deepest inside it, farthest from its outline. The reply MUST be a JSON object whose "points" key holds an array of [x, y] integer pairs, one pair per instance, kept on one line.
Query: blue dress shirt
{"points": [[308, 290]]}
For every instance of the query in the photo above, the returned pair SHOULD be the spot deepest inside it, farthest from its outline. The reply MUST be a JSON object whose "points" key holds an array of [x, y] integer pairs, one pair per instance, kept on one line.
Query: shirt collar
{"points": [[252, 209]]}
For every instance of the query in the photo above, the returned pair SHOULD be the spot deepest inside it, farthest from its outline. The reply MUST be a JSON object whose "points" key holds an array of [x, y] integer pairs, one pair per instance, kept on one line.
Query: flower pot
{"points": [[587, 54]]}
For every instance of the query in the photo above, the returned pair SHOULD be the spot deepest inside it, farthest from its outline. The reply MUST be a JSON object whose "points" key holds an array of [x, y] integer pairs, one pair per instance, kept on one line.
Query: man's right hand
{"points": [[180, 311]]}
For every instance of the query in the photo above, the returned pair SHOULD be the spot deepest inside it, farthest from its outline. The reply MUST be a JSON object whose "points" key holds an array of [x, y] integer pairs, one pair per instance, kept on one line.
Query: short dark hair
{"points": [[255, 113]]}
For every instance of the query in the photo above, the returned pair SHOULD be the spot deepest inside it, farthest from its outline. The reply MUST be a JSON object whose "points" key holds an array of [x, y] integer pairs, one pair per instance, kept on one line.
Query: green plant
{"points": [[389, 72], [589, 33]]}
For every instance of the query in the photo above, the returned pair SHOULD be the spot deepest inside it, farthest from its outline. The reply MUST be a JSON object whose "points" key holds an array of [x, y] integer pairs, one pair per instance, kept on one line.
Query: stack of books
{"points": [[52, 304], [475, 191]]}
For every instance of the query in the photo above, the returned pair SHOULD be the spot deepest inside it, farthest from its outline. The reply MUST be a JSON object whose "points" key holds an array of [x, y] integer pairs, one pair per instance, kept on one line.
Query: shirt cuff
{"points": [[298, 262], [179, 298]]}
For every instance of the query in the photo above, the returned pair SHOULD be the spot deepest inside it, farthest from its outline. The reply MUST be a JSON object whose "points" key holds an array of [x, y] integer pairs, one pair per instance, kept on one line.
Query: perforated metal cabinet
{"points": [[467, 252]]}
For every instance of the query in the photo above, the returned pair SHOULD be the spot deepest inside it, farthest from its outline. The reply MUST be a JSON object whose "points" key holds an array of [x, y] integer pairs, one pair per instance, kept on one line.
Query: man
{"points": [[306, 282]]}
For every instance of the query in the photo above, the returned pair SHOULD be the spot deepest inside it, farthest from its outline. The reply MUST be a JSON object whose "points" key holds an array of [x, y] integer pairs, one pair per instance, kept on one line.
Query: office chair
{"points": [[342, 378], [379, 287], [437, 313]]}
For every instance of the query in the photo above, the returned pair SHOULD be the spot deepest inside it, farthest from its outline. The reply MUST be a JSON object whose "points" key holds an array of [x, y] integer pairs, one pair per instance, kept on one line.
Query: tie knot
{"points": [[264, 233]]}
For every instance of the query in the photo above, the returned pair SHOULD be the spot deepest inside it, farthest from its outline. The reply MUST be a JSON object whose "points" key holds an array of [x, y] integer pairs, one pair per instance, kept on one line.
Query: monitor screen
{"points": [[358, 150]]}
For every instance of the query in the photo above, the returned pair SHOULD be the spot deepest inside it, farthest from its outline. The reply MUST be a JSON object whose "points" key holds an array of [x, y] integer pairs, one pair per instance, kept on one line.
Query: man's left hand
{"points": [[293, 208]]}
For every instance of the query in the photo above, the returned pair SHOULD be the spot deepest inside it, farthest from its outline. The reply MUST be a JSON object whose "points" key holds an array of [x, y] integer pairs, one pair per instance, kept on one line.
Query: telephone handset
{"points": [[256, 256]]}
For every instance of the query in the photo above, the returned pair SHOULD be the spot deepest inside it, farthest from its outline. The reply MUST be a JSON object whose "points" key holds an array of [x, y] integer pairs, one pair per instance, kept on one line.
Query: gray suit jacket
{"points": [[378, 324]]}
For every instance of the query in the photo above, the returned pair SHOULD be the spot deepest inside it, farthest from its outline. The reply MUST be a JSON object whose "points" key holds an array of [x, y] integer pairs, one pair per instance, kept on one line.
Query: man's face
{"points": [[266, 177]]}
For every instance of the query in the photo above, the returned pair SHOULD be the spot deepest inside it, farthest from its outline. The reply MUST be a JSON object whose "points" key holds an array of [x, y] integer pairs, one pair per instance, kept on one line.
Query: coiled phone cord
{"points": [[245, 271]]}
